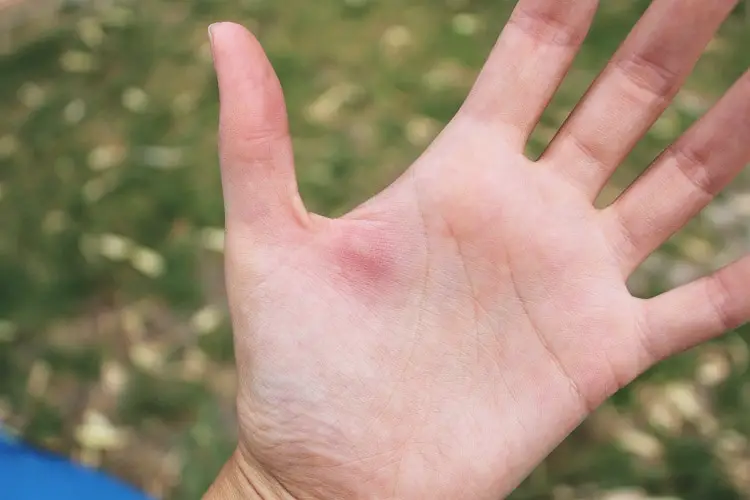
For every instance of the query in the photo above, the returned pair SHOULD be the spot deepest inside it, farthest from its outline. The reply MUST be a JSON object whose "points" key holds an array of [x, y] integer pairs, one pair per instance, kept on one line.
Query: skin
{"points": [[440, 340]]}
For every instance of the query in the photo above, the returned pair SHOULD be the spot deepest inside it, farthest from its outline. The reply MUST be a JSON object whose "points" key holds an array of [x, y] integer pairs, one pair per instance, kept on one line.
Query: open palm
{"points": [[441, 339]]}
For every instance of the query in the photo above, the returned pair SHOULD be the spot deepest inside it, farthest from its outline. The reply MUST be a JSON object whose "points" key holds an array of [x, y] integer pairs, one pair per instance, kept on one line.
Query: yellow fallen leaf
{"points": [[114, 378], [76, 61], [96, 432], [74, 111], [38, 380], [32, 95], [146, 357], [105, 157], [148, 262], [466, 24], [135, 99], [395, 39], [115, 247], [212, 238], [421, 130], [90, 32], [206, 320], [639, 443]]}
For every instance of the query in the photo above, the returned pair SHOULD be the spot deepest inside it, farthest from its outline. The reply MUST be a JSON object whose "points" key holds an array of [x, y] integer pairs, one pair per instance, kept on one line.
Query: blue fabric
{"points": [[30, 474]]}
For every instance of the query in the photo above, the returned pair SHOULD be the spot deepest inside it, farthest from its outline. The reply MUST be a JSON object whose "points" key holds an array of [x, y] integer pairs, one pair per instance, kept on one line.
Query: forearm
{"points": [[231, 485], [239, 481]]}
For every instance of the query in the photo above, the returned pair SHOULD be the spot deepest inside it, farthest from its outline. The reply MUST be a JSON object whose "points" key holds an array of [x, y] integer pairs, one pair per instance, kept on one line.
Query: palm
{"points": [[465, 320]]}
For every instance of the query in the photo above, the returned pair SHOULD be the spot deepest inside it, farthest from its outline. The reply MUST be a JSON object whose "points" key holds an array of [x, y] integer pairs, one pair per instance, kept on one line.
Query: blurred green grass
{"points": [[115, 347]]}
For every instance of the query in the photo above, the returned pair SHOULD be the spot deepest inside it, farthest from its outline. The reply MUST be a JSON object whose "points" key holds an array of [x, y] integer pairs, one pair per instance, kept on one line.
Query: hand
{"points": [[441, 339]]}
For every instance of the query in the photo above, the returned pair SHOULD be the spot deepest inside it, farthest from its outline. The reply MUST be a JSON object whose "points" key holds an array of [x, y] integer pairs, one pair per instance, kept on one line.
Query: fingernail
{"points": [[211, 33]]}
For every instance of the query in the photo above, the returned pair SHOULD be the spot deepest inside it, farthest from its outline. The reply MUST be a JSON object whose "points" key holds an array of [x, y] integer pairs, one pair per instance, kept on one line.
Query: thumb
{"points": [[257, 163]]}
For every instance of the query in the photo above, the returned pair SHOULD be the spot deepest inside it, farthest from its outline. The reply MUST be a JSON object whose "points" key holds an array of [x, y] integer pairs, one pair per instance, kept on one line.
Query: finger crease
{"points": [[653, 77], [695, 170], [546, 28], [719, 297]]}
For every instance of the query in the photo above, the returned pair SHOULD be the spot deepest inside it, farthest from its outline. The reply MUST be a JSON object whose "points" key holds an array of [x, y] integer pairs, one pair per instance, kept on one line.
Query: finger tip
{"points": [[227, 29], [229, 39]]}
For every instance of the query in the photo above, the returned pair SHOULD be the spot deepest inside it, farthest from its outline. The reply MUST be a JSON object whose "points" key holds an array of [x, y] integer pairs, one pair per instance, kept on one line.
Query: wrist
{"points": [[240, 480]]}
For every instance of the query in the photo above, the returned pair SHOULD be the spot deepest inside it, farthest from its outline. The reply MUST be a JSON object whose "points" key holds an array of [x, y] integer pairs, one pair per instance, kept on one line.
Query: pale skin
{"points": [[441, 339]]}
